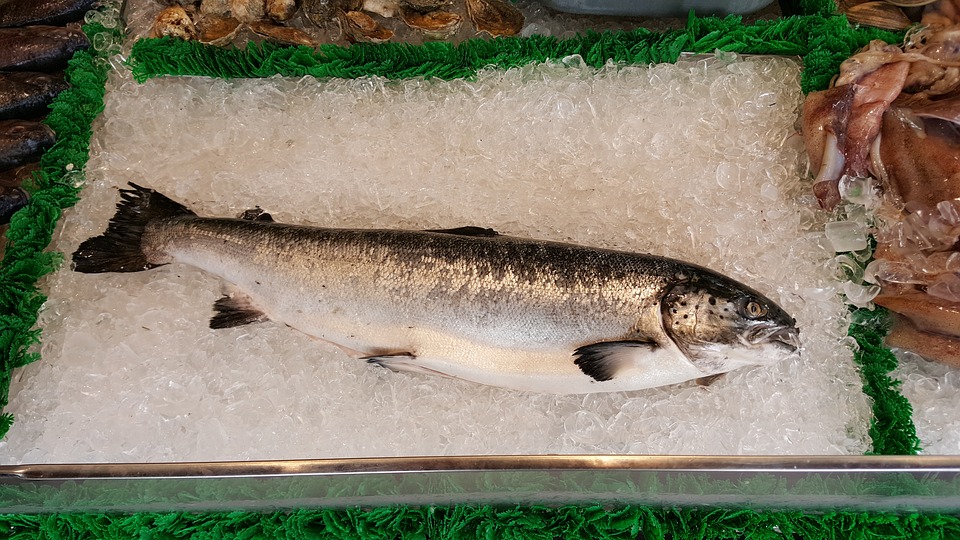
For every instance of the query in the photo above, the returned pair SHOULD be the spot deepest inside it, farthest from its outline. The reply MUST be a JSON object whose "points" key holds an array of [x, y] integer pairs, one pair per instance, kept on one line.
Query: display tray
{"points": [[136, 404]]}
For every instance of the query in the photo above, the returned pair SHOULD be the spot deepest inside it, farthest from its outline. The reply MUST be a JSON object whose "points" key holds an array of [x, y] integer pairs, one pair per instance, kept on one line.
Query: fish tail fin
{"points": [[118, 249]]}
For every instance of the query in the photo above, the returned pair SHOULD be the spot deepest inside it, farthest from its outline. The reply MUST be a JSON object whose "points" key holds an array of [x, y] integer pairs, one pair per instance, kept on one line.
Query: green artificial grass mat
{"points": [[494, 523], [54, 187], [821, 39], [811, 31]]}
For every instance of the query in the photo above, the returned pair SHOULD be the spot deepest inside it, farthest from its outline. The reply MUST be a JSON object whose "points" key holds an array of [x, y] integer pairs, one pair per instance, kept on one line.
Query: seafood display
{"points": [[12, 195], [23, 141], [39, 48], [15, 13], [27, 94], [467, 303], [219, 22], [34, 50], [890, 121]]}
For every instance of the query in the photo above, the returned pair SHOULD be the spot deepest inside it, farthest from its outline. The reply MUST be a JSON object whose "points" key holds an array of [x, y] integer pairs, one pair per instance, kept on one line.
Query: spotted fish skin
{"points": [[465, 303], [53, 12], [28, 94], [40, 47]]}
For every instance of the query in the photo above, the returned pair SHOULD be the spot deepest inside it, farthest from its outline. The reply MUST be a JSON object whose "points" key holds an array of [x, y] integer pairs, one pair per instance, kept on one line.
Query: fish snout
{"points": [[785, 336], [788, 337]]}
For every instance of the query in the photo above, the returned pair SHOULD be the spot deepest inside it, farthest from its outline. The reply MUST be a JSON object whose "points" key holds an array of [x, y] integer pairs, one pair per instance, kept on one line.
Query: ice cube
{"points": [[846, 235]]}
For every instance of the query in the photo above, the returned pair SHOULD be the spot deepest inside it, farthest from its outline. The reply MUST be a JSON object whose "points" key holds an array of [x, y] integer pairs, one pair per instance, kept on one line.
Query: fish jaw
{"points": [[779, 345]]}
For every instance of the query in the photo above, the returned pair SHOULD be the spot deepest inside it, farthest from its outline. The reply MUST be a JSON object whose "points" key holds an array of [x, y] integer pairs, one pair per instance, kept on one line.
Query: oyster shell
{"points": [[495, 17], [360, 27], [318, 12], [174, 21], [878, 14], [437, 24], [217, 30], [282, 10], [248, 11], [282, 34], [424, 6], [383, 8], [215, 7]]}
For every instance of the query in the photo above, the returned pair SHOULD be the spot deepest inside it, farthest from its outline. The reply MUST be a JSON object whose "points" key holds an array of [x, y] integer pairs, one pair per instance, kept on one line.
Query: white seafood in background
{"points": [[893, 115]]}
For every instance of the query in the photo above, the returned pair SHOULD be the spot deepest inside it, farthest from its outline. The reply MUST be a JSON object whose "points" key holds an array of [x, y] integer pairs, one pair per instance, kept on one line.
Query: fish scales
{"points": [[465, 303], [40, 47], [420, 273]]}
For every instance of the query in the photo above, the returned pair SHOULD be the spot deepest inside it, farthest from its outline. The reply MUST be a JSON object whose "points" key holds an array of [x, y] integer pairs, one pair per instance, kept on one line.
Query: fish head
{"points": [[720, 324]]}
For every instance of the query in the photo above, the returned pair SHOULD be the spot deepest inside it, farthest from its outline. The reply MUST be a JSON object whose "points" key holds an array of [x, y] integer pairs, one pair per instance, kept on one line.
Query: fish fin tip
{"points": [[482, 232], [709, 379], [403, 362], [235, 310], [601, 361], [119, 248]]}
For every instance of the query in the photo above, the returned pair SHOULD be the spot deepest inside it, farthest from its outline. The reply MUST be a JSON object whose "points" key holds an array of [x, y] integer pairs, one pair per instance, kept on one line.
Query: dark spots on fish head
{"points": [[257, 282]]}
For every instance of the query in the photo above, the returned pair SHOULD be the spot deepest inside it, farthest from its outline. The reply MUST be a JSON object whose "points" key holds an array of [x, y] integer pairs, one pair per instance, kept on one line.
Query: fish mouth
{"points": [[786, 337]]}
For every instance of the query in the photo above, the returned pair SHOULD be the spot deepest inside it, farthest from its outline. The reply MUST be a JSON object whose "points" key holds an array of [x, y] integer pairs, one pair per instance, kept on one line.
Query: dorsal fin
{"points": [[484, 232], [256, 214]]}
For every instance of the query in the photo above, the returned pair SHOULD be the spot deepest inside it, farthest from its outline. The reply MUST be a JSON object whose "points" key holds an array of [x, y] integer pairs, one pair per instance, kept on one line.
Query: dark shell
{"points": [[26, 94], [22, 141], [39, 48], [56, 12], [11, 199]]}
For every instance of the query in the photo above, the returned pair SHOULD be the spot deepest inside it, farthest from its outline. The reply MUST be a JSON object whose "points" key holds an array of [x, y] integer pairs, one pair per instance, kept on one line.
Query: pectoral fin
{"points": [[235, 309], [602, 361]]}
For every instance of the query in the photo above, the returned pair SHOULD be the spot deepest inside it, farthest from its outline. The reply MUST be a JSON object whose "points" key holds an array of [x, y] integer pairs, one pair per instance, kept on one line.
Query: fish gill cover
{"points": [[823, 40]]}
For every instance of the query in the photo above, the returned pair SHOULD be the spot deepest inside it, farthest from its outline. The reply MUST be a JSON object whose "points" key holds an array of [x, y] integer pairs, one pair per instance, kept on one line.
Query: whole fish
{"points": [[23, 141], [466, 303], [26, 94], [39, 48], [56, 12]]}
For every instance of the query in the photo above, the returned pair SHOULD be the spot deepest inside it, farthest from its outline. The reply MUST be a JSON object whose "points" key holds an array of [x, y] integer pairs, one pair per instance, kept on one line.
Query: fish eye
{"points": [[753, 309]]}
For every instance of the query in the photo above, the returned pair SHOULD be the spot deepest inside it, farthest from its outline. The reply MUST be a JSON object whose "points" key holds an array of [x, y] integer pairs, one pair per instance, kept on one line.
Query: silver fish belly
{"points": [[465, 303]]}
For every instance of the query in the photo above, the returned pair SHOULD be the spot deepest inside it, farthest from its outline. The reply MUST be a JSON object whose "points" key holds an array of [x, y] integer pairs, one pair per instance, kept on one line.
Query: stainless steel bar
{"points": [[895, 483]]}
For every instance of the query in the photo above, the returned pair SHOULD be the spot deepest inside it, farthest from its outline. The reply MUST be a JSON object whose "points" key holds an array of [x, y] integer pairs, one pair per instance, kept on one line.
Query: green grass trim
{"points": [[892, 429], [472, 522], [56, 186]]}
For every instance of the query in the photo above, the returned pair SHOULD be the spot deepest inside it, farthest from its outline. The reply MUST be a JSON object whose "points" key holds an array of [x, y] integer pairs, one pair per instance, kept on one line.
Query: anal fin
{"points": [[235, 309], [601, 361], [401, 362]]}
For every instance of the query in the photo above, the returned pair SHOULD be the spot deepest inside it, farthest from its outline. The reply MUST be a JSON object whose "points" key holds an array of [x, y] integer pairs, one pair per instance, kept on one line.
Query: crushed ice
{"points": [[685, 160]]}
